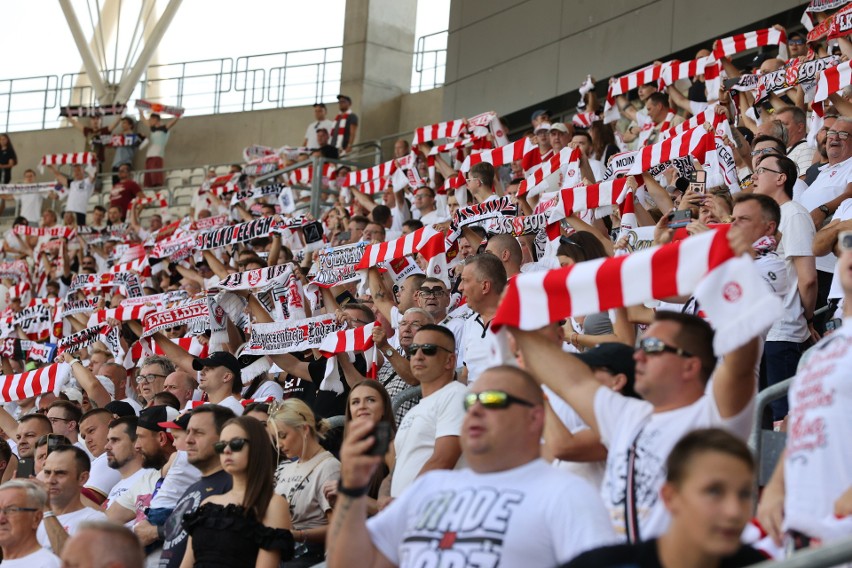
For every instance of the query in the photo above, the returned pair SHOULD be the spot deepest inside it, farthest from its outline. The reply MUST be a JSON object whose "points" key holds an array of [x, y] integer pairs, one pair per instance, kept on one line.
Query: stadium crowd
{"points": [[541, 352]]}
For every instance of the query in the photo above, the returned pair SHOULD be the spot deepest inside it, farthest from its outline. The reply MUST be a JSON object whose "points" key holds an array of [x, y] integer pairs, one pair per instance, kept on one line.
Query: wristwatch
{"points": [[389, 352], [824, 209]]}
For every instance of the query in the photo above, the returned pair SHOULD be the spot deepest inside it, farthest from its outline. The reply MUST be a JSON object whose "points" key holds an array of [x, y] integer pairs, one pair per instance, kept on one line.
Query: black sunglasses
{"points": [[493, 399], [236, 445], [429, 349], [654, 346]]}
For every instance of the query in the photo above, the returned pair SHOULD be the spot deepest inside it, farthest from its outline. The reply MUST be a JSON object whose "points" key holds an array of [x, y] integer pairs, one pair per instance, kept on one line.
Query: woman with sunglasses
{"points": [[249, 525], [297, 433], [708, 491], [368, 400]]}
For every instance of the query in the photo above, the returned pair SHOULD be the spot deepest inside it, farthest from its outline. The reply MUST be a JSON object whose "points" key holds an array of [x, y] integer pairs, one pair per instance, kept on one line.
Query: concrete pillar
{"points": [[378, 48]]}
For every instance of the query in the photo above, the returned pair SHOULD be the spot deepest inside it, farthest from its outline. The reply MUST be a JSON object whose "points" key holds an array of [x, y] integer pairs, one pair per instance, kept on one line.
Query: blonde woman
{"points": [[296, 433]]}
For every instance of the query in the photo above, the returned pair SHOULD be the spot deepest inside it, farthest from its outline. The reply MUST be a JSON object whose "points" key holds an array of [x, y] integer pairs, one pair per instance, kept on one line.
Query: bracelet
{"points": [[48, 515], [76, 360], [352, 492]]}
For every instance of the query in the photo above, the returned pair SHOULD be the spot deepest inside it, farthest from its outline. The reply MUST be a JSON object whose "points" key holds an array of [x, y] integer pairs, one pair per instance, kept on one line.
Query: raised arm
{"points": [[734, 381], [381, 297], [575, 383]]}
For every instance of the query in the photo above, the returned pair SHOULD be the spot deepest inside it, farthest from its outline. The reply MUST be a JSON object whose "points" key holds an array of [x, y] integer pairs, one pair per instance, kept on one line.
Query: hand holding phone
{"points": [[382, 435], [679, 218]]}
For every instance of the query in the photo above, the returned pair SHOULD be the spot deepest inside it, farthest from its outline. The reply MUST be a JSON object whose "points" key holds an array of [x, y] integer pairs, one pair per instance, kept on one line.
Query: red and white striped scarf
{"points": [[584, 120], [584, 197], [304, 176], [449, 129], [82, 158], [707, 115], [732, 45], [367, 174], [159, 107], [426, 241], [52, 232], [696, 142], [33, 383], [339, 129], [374, 186], [533, 183], [156, 200], [645, 135], [355, 340], [20, 290], [730, 290], [501, 155], [120, 313], [628, 82], [831, 80]]}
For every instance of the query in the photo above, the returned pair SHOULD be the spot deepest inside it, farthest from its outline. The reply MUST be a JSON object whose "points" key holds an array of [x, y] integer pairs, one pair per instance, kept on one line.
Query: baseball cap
{"points": [[560, 127], [616, 357], [218, 359], [345, 97], [179, 423], [543, 126], [120, 408], [538, 113], [151, 417]]}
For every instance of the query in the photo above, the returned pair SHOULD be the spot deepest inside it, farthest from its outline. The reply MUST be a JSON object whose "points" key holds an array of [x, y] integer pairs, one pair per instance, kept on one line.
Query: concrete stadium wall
{"points": [[504, 55], [196, 140]]}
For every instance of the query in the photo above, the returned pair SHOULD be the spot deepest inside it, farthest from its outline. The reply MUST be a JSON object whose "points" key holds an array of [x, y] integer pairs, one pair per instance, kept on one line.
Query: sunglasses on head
{"points": [[493, 399], [236, 445], [655, 346], [429, 349]]}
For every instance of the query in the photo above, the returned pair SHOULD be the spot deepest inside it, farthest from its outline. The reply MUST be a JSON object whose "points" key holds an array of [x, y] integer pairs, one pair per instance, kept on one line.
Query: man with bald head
{"points": [[118, 375], [181, 385], [430, 522], [508, 250], [103, 545]]}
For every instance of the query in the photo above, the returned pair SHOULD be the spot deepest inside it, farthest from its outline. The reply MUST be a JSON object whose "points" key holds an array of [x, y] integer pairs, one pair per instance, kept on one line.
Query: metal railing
{"points": [[430, 62], [834, 554], [209, 86]]}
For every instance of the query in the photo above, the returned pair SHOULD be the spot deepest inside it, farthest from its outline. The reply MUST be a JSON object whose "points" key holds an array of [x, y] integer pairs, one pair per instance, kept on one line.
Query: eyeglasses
{"points": [[796, 42], [655, 346], [432, 292], [765, 151], [6, 511], [429, 349], [761, 170], [236, 445], [470, 179], [842, 134], [149, 378], [493, 399]]}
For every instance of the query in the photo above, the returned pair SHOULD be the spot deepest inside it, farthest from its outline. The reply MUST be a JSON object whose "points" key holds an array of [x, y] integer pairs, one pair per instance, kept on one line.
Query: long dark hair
{"points": [[387, 416], [9, 141], [260, 486]]}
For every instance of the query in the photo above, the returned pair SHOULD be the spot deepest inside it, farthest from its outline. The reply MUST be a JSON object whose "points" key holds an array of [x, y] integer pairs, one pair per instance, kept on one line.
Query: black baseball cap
{"points": [[151, 417], [219, 359], [615, 357], [120, 408], [345, 97], [538, 113]]}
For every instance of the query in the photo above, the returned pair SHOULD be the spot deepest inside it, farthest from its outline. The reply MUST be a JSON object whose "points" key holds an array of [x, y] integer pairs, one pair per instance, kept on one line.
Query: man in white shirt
{"points": [[674, 365], [94, 428], [811, 490], [785, 342], [65, 472], [80, 189], [526, 513], [122, 456], [22, 503], [320, 123], [795, 120], [482, 282], [428, 437]]}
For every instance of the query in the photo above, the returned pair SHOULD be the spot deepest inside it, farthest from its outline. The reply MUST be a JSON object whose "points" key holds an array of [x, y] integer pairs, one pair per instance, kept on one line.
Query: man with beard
{"points": [[205, 425], [122, 457]]}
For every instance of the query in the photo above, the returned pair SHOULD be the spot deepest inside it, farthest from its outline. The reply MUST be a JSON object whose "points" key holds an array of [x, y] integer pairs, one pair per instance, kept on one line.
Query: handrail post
{"points": [[316, 185]]}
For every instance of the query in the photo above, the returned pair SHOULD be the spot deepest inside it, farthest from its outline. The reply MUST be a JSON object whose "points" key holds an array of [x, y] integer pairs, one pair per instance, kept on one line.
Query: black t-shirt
{"points": [[174, 544], [644, 555], [329, 403]]}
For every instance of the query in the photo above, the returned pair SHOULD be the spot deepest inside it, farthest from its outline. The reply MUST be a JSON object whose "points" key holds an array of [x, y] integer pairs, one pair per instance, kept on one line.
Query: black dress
{"points": [[224, 537]]}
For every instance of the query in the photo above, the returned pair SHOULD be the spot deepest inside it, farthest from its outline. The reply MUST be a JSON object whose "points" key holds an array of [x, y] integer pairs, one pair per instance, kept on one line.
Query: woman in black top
{"points": [[708, 492], [249, 525], [8, 158]]}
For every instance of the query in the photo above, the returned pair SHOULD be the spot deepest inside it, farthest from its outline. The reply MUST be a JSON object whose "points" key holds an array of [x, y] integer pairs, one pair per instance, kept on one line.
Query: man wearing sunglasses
{"points": [[510, 508], [428, 436], [674, 363]]}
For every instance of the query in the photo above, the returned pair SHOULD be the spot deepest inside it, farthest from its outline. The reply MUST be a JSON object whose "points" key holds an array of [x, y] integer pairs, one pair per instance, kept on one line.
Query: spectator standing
{"points": [[126, 150], [22, 503], [320, 122], [345, 127], [157, 140], [124, 190], [8, 158], [80, 189], [97, 135]]}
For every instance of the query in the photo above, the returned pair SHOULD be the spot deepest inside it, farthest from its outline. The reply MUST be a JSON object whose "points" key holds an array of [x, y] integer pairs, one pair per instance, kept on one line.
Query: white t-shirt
{"points": [[843, 213], [233, 404], [829, 184], [456, 321], [139, 496], [301, 484], [69, 522], [125, 485], [41, 558], [593, 472], [311, 132], [181, 475], [532, 515], [267, 389], [802, 155], [621, 420], [439, 414], [79, 192], [102, 478], [797, 238], [31, 206], [818, 461], [484, 349]]}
